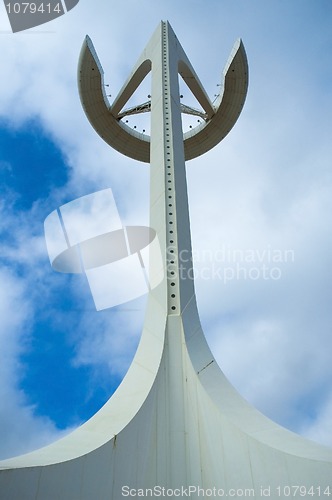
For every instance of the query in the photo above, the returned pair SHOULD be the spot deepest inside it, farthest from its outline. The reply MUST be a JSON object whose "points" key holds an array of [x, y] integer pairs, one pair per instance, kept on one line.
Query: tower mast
{"points": [[175, 422]]}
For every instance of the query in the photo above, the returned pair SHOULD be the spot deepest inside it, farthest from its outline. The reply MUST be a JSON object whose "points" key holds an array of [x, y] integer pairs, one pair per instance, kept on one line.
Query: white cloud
{"points": [[111, 338], [319, 429], [21, 429]]}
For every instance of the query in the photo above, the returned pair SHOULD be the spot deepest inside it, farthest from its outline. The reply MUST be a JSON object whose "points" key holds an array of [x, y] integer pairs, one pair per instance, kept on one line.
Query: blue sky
{"points": [[265, 191]]}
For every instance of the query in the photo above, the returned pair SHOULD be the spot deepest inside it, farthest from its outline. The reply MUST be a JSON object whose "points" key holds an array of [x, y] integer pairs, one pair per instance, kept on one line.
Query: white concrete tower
{"points": [[175, 422]]}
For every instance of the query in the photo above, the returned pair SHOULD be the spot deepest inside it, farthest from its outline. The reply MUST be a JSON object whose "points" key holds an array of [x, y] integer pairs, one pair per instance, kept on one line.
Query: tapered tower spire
{"points": [[175, 426]]}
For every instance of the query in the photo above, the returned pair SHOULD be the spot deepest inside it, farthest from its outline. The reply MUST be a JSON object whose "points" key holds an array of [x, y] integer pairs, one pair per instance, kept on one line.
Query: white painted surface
{"points": [[175, 421]]}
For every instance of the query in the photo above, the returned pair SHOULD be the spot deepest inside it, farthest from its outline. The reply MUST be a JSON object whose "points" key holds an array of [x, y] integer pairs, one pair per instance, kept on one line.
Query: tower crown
{"points": [[107, 119]]}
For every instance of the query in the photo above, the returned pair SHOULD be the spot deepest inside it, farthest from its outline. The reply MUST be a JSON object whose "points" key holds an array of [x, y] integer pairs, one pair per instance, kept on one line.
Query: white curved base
{"points": [[186, 427]]}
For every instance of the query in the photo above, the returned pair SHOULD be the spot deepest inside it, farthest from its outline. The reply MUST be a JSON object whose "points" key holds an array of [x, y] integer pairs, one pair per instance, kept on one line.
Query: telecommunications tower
{"points": [[175, 422]]}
